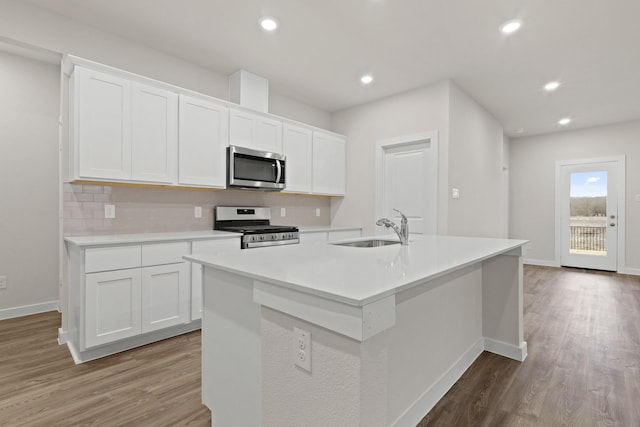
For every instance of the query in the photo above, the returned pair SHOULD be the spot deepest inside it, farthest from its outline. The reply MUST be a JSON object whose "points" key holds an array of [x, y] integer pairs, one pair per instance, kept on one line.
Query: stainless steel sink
{"points": [[373, 243]]}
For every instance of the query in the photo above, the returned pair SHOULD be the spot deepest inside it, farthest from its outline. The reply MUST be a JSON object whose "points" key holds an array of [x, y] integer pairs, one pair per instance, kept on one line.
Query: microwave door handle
{"points": [[279, 171]]}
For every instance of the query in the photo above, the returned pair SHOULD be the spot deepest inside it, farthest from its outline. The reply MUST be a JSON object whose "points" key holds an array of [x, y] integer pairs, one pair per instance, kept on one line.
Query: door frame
{"points": [[621, 220], [381, 146]]}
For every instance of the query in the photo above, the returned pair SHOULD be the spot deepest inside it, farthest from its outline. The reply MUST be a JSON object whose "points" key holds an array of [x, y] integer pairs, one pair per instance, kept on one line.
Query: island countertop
{"points": [[358, 276]]}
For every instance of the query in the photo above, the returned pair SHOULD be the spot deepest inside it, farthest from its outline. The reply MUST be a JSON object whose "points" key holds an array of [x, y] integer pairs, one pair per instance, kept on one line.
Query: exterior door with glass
{"points": [[588, 212]]}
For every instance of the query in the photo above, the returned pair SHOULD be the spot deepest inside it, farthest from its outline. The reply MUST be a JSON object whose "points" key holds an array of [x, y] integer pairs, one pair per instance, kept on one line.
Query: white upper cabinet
{"points": [[329, 163], [202, 143], [255, 131], [154, 134], [298, 149], [102, 119], [123, 130], [128, 128]]}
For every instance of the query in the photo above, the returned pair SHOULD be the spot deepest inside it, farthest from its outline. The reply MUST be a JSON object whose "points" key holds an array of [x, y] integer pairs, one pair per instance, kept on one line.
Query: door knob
{"points": [[612, 217], [613, 224]]}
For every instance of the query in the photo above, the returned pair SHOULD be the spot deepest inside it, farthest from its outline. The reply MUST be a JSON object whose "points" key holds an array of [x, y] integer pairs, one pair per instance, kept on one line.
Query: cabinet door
{"points": [[112, 306], [102, 134], [165, 296], [154, 142], [202, 143], [255, 131], [206, 246], [329, 163], [297, 144]]}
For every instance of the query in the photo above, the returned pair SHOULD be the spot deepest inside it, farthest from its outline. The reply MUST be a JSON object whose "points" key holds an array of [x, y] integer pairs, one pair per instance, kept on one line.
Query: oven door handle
{"points": [[279, 167]]}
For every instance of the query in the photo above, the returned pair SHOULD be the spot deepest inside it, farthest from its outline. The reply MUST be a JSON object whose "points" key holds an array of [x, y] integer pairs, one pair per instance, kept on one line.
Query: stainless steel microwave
{"points": [[255, 170]]}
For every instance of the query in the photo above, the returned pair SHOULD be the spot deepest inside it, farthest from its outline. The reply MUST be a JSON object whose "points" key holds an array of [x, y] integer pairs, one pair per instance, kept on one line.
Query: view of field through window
{"points": [[588, 213]]}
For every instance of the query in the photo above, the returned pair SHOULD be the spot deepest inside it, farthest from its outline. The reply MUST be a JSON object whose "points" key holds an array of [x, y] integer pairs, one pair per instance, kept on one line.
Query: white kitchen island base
{"points": [[381, 360]]}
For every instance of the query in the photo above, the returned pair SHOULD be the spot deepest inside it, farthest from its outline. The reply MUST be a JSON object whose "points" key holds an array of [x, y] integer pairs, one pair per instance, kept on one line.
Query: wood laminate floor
{"points": [[583, 369], [154, 385], [583, 334]]}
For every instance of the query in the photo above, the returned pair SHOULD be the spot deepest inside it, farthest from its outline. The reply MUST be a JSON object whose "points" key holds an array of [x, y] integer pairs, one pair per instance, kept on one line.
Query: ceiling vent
{"points": [[249, 90]]}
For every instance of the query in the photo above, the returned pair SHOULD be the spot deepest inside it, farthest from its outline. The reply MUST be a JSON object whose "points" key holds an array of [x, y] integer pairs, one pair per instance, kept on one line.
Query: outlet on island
{"points": [[302, 348]]}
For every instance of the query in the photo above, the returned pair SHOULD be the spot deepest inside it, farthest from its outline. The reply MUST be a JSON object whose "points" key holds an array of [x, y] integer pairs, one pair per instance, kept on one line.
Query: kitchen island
{"points": [[391, 328]]}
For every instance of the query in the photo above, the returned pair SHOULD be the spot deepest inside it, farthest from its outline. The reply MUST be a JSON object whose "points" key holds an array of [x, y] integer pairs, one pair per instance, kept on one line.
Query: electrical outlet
{"points": [[197, 212], [109, 211], [455, 193], [3, 282], [283, 211], [302, 349], [317, 211]]}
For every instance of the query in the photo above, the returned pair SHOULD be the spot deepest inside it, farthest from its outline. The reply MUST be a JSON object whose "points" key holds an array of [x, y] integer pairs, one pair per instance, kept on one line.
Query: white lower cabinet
{"points": [[112, 306], [165, 296], [131, 290]]}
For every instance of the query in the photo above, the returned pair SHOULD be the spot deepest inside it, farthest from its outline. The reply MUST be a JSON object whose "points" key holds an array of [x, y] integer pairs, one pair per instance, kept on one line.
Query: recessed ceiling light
{"points": [[511, 26], [268, 23], [366, 79], [551, 86], [565, 121]]}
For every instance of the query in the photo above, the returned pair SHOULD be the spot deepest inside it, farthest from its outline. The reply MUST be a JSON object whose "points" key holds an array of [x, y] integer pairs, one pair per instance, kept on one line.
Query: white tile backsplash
{"points": [[141, 209]]}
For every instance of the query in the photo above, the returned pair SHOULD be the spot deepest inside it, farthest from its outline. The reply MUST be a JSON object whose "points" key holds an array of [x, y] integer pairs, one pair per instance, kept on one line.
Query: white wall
{"points": [[38, 27], [470, 157], [475, 168], [416, 111], [28, 182], [532, 193]]}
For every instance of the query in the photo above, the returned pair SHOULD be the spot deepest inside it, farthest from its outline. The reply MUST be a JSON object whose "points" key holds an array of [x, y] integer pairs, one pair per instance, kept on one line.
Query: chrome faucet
{"points": [[402, 231]]}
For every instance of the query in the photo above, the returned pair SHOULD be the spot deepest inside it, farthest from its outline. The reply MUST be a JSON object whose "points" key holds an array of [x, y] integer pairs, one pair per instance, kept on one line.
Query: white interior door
{"points": [[588, 198], [408, 181]]}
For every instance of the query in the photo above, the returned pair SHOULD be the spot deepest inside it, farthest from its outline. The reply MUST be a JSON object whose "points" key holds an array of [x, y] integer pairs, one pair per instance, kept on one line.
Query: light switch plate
{"points": [[197, 212], [455, 193], [283, 211], [317, 211], [109, 211]]}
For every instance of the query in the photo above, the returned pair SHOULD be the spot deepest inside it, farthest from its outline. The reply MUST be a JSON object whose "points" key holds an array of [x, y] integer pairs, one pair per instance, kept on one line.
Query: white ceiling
{"points": [[324, 46]]}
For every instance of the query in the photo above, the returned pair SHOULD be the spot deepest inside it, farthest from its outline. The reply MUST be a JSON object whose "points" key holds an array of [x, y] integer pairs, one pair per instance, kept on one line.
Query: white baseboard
{"points": [[26, 310], [540, 262], [632, 271], [506, 350], [128, 343], [412, 416]]}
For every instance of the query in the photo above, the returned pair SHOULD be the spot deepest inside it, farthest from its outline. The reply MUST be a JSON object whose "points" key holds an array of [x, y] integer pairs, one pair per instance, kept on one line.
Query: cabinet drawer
{"points": [[164, 253], [112, 258]]}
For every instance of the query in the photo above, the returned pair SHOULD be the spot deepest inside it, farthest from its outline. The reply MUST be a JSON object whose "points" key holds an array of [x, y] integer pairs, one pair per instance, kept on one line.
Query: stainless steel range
{"points": [[255, 225]]}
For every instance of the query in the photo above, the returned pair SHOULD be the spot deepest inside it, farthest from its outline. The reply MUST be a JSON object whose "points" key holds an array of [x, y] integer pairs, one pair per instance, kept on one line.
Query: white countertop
{"points": [[357, 276], [326, 228], [169, 236], [123, 239]]}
